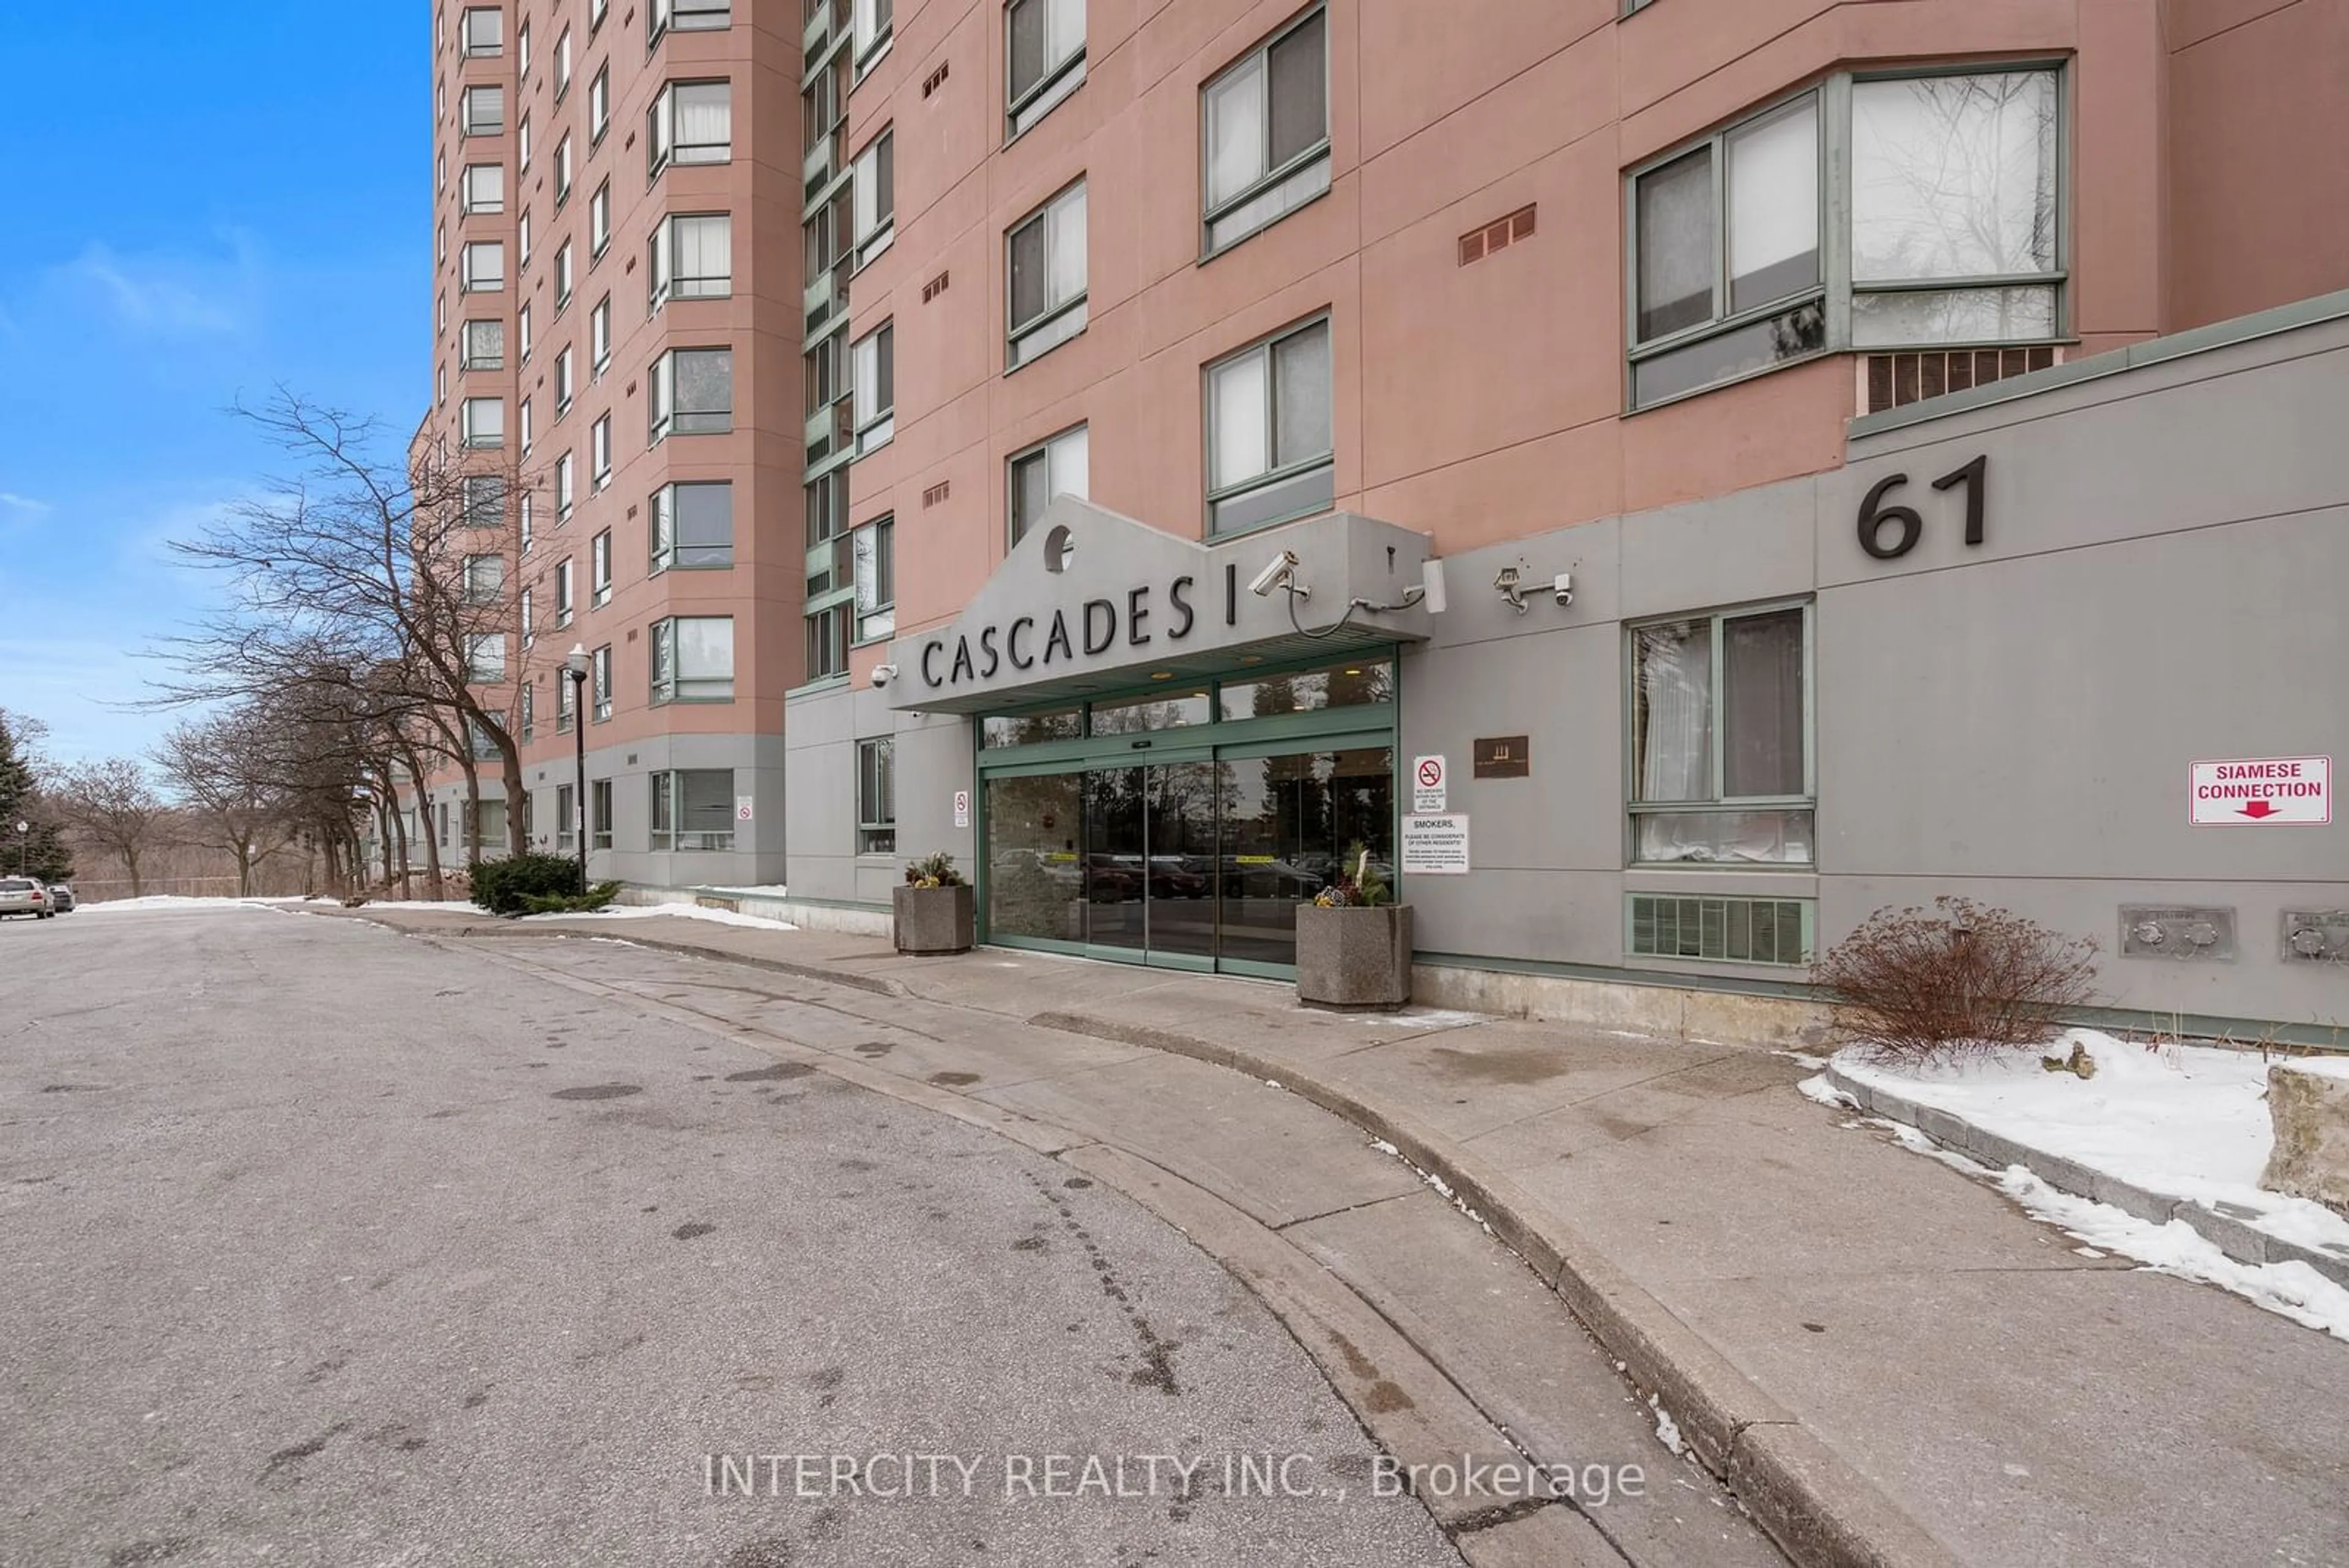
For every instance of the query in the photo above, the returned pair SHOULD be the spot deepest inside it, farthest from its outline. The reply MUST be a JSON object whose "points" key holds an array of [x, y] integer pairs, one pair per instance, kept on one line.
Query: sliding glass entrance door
{"points": [[1184, 826], [1150, 859]]}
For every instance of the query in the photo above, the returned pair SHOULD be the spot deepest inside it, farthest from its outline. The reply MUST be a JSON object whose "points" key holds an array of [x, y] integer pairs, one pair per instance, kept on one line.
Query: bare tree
{"points": [[111, 804], [381, 591], [221, 769]]}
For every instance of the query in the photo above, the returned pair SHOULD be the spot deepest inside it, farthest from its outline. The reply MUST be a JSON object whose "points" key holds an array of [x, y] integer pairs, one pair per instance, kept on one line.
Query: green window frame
{"points": [[1708, 732], [877, 795]]}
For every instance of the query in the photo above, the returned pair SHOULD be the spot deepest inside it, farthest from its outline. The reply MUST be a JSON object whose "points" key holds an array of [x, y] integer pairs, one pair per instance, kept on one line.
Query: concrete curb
{"points": [[1820, 1512], [2228, 1232]]}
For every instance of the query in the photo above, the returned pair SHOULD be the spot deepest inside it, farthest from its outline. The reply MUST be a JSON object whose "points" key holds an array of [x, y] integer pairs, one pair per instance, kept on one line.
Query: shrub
{"points": [[1916, 985], [1359, 885], [933, 871], [595, 897], [500, 885]]}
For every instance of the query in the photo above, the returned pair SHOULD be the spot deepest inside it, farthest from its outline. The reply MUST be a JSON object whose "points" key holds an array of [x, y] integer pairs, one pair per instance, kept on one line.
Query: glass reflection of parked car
{"points": [[1177, 876], [1109, 880]]}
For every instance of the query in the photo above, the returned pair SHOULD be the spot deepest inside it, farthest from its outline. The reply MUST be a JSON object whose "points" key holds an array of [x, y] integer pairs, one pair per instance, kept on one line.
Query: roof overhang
{"points": [[1091, 601]]}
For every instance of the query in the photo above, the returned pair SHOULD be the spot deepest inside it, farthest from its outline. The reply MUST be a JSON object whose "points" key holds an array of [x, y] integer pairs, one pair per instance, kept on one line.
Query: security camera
{"points": [[1280, 569], [1564, 588], [884, 673]]}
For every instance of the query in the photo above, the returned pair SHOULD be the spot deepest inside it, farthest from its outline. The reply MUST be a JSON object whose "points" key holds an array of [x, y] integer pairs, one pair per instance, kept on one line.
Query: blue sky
{"points": [[234, 198]]}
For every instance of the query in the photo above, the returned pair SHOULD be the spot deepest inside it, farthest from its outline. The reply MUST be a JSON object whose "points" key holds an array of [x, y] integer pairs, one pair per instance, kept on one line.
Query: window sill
{"points": [[820, 684], [1631, 411], [1015, 366], [1304, 165], [1046, 98]]}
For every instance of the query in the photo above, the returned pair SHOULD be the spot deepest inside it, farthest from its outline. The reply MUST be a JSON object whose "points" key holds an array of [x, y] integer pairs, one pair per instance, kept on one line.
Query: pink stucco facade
{"points": [[1476, 401], [1486, 400]]}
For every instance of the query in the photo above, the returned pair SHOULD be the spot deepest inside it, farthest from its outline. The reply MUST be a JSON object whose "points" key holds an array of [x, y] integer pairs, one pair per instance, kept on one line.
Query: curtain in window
{"points": [[704, 116], [704, 808], [1236, 396], [705, 249], [1674, 720], [705, 385]]}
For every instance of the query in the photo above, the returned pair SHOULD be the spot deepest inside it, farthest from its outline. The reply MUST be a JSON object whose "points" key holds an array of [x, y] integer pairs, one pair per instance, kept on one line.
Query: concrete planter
{"points": [[935, 920], [1354, 958]]}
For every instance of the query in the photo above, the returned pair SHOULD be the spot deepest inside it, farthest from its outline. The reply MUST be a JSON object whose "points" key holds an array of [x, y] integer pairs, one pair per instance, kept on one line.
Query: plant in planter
{"points": [[1353, 941], [934, 909]]}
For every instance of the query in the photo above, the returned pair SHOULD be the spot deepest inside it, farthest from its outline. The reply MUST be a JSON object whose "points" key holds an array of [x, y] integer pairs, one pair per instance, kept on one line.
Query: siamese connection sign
{"points": [[2245, 792]]}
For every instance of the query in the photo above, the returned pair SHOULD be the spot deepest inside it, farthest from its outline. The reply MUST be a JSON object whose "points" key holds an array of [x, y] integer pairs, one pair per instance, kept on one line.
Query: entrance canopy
{"points": [[1091, 600]]}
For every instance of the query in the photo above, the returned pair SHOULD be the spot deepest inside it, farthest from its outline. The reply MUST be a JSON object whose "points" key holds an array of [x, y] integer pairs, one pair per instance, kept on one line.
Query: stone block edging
{"points": [[2243, 1242]]}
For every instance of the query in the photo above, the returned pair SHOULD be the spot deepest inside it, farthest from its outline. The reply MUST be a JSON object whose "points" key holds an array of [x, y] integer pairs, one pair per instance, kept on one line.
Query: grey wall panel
{"points": [[2036, 717]]}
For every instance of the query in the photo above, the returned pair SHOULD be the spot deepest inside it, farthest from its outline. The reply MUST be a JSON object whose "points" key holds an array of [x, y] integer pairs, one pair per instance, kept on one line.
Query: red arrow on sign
{"points": [[2258, 808], [1429, 771]]}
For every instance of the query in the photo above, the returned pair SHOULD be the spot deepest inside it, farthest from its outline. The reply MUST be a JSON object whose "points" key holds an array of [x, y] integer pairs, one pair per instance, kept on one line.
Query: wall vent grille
{"points": [[1895, 380], [1498, 234], [1729, 929]]}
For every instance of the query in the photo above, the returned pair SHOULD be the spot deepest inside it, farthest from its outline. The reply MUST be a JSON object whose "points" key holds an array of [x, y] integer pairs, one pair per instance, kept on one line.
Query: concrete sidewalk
{"points": [[1889, 1362]]}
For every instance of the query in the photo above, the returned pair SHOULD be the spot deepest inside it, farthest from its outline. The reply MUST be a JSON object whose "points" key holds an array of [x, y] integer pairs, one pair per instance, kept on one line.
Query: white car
{"points": [[24, 896]]}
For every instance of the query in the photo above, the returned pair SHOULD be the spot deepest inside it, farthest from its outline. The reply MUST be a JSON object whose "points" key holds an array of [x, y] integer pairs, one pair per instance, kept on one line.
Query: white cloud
{"points": [[170, 294], [16, 503]]}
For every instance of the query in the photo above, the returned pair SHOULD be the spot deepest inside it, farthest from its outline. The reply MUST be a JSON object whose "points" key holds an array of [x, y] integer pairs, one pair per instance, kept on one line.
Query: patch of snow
{"points": [[153, 901], [2292, 1290], [1804, 1059], [2184, 1121], [1383, 1146], [769, 891], [681, 911], [454, 905], [1272, 1082], [1818, 1088], [1668, 1431], [2322, 1066]]}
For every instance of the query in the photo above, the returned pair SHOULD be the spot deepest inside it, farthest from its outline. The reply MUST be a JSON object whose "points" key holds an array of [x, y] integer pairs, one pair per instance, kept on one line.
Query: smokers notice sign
{"points": [[2245, 792]]}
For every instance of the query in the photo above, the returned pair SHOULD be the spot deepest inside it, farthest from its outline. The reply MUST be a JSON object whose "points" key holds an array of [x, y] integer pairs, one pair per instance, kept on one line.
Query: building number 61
{"points": [[1873, 515]]}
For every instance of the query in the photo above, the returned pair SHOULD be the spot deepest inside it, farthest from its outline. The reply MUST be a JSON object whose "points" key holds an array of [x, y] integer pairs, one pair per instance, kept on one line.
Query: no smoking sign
{"points": [[1427, 787]]}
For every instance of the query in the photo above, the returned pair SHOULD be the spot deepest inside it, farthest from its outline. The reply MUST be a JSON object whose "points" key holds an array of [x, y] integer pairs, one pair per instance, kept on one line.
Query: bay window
{"points": [[485, 266], [693, 809], [693, 659], [484, 189], [693, 257], [692, 392], [484, 422], [1950, 184], [485, 111], [690, 122], [693, 525], [485, 346]]}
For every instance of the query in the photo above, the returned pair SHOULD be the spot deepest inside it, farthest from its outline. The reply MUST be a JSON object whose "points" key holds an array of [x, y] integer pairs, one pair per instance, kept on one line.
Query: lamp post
{"points": [[22, 857], [574, 666]]}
